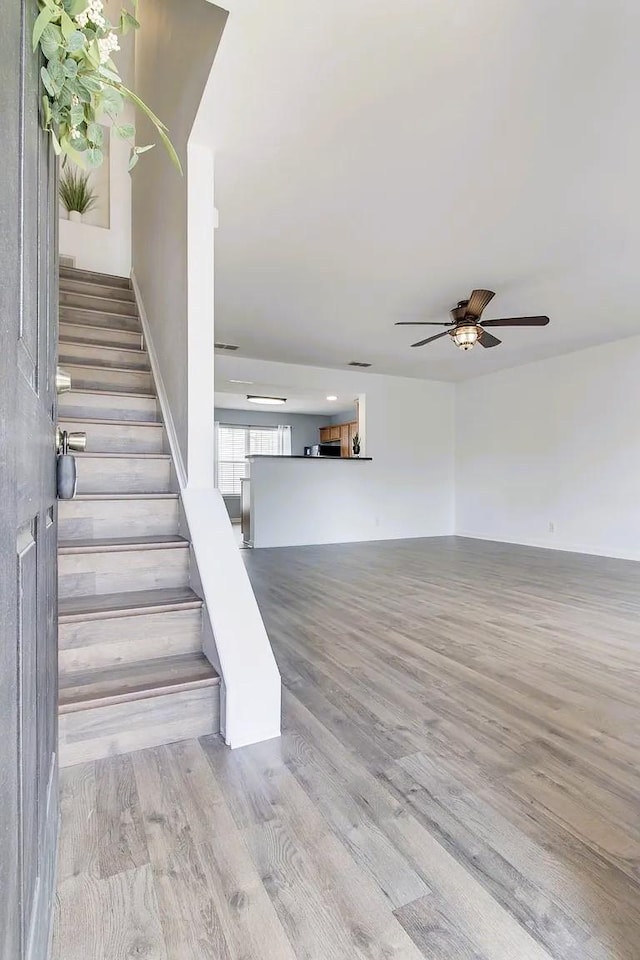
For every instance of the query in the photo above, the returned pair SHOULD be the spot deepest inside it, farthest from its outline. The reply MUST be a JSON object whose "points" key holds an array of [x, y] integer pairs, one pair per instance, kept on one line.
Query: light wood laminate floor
{"points": [[458, 776]]}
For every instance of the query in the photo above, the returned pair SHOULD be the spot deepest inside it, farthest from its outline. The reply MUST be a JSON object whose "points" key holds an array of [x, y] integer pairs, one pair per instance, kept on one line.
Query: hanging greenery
{"points": [[82, 86]]}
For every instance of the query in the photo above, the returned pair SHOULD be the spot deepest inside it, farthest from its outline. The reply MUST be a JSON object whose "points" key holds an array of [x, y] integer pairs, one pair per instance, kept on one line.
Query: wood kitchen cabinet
{"points": [[332, 432], [345, 444], [344, 432]]}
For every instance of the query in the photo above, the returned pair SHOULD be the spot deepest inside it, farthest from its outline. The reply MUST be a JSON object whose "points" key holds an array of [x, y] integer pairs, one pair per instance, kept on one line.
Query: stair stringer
{"points": [[235, 639]]}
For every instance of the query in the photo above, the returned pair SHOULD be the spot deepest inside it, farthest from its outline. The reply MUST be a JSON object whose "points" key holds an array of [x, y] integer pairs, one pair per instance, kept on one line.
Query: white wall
{"points": [[296, 502], [173, 255], [105, 249], [554, 443], [407, 490]]}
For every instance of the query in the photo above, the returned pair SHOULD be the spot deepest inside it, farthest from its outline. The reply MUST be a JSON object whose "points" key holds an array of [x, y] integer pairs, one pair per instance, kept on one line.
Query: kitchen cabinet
{"points": [[344, 432], [332, 432]]}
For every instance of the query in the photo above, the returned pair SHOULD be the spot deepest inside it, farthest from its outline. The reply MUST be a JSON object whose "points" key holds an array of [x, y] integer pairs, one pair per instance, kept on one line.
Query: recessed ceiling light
{"points": [[272, 401], [240, 381], [332, 398]]}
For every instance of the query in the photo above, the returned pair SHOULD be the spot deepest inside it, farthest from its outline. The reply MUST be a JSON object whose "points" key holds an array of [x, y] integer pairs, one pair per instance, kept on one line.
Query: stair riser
{"points": [[98, 519], [96, 290], [112, 407], [101, 378], [99, 335], [89, 276], [99, 732], [105, 356], [94, 302], [96, 644], [123, 475], [118, 437], [95, 318], [118, 571]]}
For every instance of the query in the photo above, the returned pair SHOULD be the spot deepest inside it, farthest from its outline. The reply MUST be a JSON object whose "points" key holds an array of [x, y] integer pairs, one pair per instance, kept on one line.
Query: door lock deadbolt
{"points": [[63, 381]]}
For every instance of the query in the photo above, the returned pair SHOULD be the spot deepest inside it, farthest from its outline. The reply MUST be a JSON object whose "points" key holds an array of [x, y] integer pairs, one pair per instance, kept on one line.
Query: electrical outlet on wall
{"points": [[552, 527]]}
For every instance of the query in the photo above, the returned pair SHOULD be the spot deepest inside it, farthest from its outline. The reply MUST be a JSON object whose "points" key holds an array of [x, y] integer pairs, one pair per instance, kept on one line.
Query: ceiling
{"points": [[376, 161], [233, 396]]}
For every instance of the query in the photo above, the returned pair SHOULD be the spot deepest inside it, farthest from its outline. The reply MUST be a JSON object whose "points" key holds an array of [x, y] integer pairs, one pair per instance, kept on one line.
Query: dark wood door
{"points": [[28, 585]]}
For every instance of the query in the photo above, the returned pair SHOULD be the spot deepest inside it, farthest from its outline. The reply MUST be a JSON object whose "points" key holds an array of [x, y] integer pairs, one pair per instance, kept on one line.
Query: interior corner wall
{"points": [[548, 454], [175, 49]]}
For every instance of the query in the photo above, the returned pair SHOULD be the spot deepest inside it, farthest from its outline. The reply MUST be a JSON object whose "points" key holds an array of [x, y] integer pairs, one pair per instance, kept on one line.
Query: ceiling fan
{"points": [[466, 328]]}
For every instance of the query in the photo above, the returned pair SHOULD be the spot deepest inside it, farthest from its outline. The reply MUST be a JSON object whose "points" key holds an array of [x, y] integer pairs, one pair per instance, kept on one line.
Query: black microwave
{"points": [[323, 450]]}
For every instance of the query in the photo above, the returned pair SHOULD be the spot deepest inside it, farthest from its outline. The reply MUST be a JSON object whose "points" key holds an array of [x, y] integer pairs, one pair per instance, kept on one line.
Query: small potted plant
{"points": [[355, 444], [76, 194]]}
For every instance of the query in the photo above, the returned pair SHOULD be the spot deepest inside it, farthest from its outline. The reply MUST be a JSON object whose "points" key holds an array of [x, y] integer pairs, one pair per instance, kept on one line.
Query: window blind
{"points": [[236, 443]]}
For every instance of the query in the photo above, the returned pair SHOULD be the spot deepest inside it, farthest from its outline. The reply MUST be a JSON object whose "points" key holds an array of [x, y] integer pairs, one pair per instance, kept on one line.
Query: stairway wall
{"points": [[175, 49]]}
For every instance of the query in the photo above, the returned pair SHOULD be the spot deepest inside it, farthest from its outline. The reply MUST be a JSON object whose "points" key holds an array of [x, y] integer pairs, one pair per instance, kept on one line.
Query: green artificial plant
{"points": [[355, 444], [82, 86], [75, 190]]}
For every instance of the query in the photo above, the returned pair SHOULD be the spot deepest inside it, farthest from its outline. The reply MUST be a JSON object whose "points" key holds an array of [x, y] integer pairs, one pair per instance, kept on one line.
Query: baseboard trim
{"points": [[559, 546]]}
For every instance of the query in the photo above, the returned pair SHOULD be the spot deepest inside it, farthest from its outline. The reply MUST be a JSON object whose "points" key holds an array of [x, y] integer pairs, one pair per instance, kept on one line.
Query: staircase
{"points": [[132, 670]]}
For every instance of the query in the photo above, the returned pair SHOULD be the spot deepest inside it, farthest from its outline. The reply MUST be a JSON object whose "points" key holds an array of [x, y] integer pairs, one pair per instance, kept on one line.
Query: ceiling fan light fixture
{"points": [[466, 335]]}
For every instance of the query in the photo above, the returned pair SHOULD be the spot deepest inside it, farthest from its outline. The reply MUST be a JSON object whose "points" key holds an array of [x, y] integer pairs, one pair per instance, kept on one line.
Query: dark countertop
{"points": [[272, 456]]}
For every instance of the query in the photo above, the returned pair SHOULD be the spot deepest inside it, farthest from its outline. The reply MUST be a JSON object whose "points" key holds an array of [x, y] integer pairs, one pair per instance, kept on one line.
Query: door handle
{"points": [[73, 441], [63, 381]]}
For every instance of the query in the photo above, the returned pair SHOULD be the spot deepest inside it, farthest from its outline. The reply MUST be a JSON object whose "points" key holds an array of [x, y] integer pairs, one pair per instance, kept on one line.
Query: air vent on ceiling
{"points": [[358, 363], [226, 346]]}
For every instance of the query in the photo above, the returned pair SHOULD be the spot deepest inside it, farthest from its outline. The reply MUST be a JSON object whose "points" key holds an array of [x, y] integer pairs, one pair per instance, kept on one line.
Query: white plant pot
{"points": [[75, 216]]}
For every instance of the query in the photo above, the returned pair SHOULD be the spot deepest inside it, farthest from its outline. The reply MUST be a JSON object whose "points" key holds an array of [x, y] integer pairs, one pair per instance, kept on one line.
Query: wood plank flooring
{"points": [[458, 776]]}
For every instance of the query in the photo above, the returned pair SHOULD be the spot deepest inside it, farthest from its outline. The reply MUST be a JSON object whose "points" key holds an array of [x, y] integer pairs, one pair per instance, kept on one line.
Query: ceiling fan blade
{"points": [[516, 322], [488, 340], [478, 301], [421, 343], [421, 323]]}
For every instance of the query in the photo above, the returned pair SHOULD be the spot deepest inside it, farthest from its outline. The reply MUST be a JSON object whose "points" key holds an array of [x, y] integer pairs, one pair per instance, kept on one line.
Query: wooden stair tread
{"points": [[114, 544], [78, 325], [99, 312], [78, 285], [91, 365], [85, 689], [125, 392], [102, 421], [105, 495], [125, 455], [111, 393], [107, 605], [93, 276], [75, 342], [94, 295]]}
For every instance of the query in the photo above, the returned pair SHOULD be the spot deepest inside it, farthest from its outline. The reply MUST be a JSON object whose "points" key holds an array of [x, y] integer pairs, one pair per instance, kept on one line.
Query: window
{"points": [[235, 444]]}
